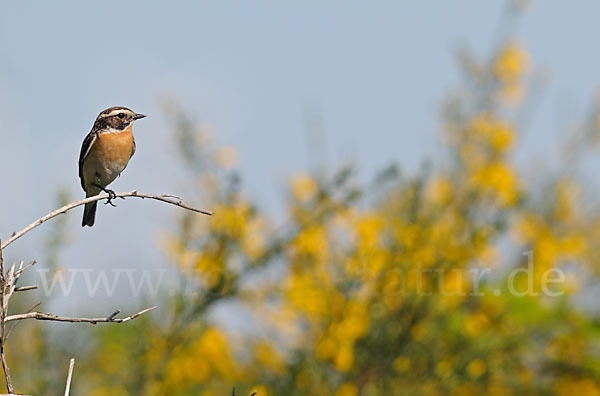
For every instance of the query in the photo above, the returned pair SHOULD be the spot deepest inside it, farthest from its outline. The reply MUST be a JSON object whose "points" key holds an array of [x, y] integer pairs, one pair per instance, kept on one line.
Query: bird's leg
{"points": [[111, 194]]}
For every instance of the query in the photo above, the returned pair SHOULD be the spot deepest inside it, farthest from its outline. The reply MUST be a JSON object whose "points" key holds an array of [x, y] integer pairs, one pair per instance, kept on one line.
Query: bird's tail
{"points": [[89, 214]]}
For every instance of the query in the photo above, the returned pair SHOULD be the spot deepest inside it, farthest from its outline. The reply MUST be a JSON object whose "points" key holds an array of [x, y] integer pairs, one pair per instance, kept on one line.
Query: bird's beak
{"points": [[138, 116]]}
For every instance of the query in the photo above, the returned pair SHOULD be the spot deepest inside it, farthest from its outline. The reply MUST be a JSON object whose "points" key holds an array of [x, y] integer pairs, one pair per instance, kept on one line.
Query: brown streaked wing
{"points": [[85, 149]]}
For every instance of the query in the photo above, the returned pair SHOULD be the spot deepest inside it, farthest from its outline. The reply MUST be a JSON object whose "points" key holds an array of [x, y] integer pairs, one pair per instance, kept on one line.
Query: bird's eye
{"points": [[121, 115]]}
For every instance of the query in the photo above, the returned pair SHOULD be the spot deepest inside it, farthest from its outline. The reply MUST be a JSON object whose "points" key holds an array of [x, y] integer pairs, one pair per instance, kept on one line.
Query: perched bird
{"points": [[105, 153]]}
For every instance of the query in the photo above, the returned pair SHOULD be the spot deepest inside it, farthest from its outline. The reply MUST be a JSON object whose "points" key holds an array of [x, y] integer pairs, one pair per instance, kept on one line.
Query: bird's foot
{"points": [[111, 195]]}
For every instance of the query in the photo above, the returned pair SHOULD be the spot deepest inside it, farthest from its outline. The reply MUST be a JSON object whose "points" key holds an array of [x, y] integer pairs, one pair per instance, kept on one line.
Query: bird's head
{"points": [[117, 118]]}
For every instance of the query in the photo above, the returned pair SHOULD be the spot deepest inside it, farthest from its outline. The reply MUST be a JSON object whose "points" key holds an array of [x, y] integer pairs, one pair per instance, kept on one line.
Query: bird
{"points": [[105, 153]]}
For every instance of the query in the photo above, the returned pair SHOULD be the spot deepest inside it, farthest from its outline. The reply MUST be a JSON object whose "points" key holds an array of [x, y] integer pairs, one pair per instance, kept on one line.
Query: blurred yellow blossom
{"points": [[476, 368], [347, 389], [312, 241], [230, 219], [495, 133], [344, 357], [402, 364], [498, 180], [439, 191], [268, 357], [567, 200], [476, 323], [227, 157], [304, 187], [511, 64], [261, 389]]}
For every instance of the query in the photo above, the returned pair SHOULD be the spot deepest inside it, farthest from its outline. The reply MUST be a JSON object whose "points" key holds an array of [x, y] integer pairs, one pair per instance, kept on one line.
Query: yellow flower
{"points": [[575, 386], [418, 332], [439, 191], [367, 229], [253, 242], [476, 323], [213, 347], [347, 389], [511, 63], [567, 202], [304, 187], [227, 157], [268, 357], [230, 219], [312, 241], [476, 368], [305, 295], [444, 368], [261, 390], [356, 321], [512, 93], [402, 364], [454, 285], [495, 133], [499, 180], [326, 348], [344, 358]]}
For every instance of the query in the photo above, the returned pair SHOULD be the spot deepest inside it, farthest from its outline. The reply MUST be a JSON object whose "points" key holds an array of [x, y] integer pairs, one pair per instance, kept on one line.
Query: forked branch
{"points": [[108, 319]]}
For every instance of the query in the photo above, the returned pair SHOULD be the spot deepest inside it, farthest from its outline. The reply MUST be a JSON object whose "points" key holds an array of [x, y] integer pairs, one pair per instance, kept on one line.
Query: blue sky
{"points": [[375, 71]]}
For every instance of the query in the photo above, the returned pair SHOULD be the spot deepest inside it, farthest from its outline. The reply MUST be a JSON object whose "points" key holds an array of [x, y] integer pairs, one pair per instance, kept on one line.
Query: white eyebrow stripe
{"points": [[115, 112]]}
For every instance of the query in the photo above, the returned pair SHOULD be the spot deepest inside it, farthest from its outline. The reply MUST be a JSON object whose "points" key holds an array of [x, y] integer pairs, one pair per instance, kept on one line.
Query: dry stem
{"points": [[9, 385], [69, 375]]}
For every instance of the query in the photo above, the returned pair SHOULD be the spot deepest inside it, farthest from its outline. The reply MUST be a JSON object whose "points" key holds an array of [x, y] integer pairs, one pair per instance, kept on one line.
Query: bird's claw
{"points": [[111, 195]]}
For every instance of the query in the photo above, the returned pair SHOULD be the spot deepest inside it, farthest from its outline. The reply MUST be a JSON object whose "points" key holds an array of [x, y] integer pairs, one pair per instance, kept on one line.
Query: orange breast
{"points": [[114, 146]]}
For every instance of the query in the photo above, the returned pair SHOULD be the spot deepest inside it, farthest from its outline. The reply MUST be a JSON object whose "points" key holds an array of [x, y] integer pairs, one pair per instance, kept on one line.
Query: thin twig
{"points": [[66, 208], [12, 327], [55, 318], [21, 269], [172, 196], [25, 288], [3, 311], [69, 375], [112, 316]]}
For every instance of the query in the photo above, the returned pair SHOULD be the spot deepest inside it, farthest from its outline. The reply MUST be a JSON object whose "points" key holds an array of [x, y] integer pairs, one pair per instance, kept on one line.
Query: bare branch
{"points": [[55, 318], [1, 261], [25, 288], [22, 269], [168, 198], [3, 311], [9, 385], [111, 317], [69, 375], [12, 327]]}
